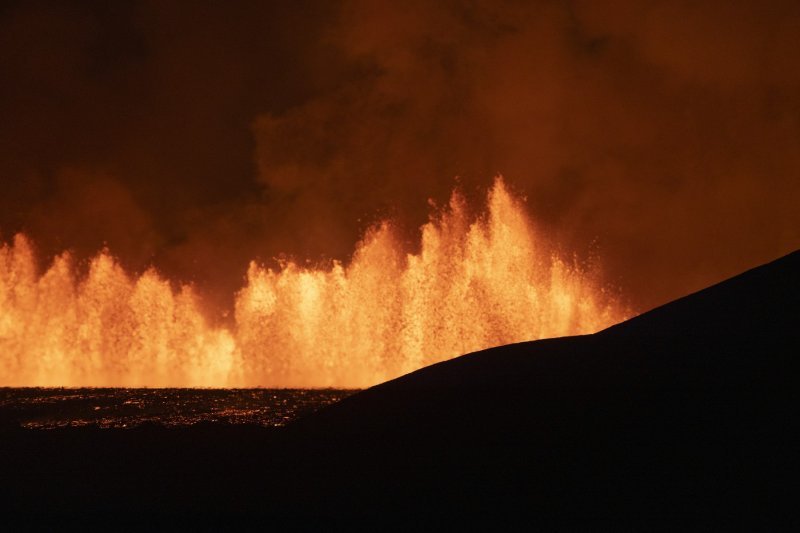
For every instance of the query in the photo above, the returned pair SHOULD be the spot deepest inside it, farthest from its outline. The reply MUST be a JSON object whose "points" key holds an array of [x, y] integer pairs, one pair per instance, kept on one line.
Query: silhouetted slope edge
{"points": [[742, 330], [680, 413]]}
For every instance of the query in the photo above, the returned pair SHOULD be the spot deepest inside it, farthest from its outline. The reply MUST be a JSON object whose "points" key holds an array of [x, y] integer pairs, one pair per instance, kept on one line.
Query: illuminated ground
{"points": [[49, 408]]}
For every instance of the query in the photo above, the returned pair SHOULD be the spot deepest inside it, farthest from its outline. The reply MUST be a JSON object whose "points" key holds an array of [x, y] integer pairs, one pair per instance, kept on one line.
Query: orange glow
{"points": [[473, 284]]}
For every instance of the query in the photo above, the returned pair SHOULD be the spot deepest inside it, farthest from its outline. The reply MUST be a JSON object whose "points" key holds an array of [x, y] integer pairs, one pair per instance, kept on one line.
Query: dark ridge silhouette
{"points": [[684, 415]]}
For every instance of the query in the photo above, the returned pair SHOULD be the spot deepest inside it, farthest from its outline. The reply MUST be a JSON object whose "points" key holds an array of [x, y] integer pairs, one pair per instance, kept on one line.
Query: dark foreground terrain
{"points": [[682, 416]]}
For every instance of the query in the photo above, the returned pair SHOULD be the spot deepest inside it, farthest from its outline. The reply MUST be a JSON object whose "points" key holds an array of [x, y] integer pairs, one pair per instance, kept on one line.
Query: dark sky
{"points": [[664, 136]]}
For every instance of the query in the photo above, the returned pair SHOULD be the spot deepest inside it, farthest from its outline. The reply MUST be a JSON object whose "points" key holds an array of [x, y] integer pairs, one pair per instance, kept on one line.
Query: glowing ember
{"points": [[474, 284]]}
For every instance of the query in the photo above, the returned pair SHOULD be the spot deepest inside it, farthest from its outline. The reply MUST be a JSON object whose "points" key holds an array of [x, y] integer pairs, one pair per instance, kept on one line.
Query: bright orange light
{"points": [[474, 284]]}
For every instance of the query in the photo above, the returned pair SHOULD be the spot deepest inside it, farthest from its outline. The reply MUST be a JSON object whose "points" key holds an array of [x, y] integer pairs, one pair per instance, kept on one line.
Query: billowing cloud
{"points": [[662, 135]]}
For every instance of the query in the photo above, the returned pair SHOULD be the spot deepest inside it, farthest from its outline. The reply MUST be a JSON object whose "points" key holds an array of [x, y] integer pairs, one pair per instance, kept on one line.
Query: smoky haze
{"points": [[661, 136]]}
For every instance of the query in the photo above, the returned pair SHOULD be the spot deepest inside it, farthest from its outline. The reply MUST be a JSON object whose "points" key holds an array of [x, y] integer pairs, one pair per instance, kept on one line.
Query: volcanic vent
{"points": [[475, 282]]}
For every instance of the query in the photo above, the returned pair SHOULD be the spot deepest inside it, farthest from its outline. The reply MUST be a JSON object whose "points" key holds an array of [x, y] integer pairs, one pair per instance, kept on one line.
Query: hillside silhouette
{"points": [[683, 415]]}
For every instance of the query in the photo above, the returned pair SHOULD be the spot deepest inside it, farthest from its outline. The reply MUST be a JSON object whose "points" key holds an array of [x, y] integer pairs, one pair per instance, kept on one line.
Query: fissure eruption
{"points": [[474, 283]]}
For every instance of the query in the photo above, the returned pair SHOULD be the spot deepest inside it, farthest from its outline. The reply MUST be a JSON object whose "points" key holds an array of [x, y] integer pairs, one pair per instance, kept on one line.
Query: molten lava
{"points": [[473, 284]]}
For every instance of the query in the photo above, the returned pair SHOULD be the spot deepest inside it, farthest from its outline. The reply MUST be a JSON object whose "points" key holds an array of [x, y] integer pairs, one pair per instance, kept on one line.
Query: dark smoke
{"points": [[196, 136]]}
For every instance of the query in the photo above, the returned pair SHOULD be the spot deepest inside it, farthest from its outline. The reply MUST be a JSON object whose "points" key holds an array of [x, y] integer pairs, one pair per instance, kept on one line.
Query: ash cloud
{"points": [[663, 134]]}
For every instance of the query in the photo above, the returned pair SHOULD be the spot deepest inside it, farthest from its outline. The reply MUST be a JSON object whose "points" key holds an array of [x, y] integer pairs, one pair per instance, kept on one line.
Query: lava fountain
{"points": [[474, 283]]}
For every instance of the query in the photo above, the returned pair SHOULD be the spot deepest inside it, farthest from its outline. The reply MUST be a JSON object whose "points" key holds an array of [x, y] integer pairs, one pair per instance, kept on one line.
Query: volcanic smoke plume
{"points": [[197, 136], [475, 282]]}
